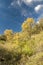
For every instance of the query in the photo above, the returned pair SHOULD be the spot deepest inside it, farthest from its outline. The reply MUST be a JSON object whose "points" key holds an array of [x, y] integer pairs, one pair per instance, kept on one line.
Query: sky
{"points": [[14, 12]]}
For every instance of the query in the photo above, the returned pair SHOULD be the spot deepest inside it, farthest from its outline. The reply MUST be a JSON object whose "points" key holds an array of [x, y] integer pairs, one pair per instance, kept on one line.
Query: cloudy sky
{"points": [[14, 12]]}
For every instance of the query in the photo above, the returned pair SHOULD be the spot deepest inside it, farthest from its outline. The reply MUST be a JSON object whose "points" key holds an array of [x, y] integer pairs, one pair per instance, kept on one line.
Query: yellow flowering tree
{"points": [[8, 34], [27, 26]]}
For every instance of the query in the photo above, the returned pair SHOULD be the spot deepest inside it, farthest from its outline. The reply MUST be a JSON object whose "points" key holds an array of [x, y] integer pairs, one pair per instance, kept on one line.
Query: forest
{"points": [[24, 47]]}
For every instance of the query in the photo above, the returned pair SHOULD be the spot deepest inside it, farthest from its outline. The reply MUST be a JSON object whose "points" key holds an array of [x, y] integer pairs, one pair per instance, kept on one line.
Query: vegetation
{"points": [[25, 47]]}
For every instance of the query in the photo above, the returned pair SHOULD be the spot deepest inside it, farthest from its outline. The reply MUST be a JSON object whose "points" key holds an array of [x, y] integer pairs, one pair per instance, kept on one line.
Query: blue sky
{"points": [[14, 12]]}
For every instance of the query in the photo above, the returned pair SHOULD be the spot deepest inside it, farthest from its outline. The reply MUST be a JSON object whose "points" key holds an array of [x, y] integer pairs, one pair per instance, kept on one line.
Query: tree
{"points": [[8, 34], [27, 26], [41, 23], [36, 29], [16, 38], [3, 38]]}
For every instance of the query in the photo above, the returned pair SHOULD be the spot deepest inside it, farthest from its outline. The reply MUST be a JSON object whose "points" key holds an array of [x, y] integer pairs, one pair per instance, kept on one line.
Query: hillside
{"points": [[23, 48]]}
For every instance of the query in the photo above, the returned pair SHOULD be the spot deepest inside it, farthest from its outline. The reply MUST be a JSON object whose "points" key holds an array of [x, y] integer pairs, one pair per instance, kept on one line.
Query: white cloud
{"points": [[19, 2], [16, 3], [30, 2], [37, 0], [12, 3], [38, 8], [27, 1]]}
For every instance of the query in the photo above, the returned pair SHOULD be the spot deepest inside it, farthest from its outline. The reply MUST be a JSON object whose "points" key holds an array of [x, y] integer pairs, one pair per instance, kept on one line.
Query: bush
{"points": [[3, 38], [6, 57]]}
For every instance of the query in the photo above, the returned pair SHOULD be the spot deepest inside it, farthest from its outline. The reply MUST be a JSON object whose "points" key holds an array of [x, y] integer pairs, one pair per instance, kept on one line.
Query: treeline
{"points": [[29, 28]]}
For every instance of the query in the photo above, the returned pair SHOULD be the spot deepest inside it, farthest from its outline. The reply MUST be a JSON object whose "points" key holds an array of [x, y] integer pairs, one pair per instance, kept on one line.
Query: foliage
{"points": [[3, 38], [27, 26], [36, 29], [41, 23], [8, 34], [25, 47]]}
